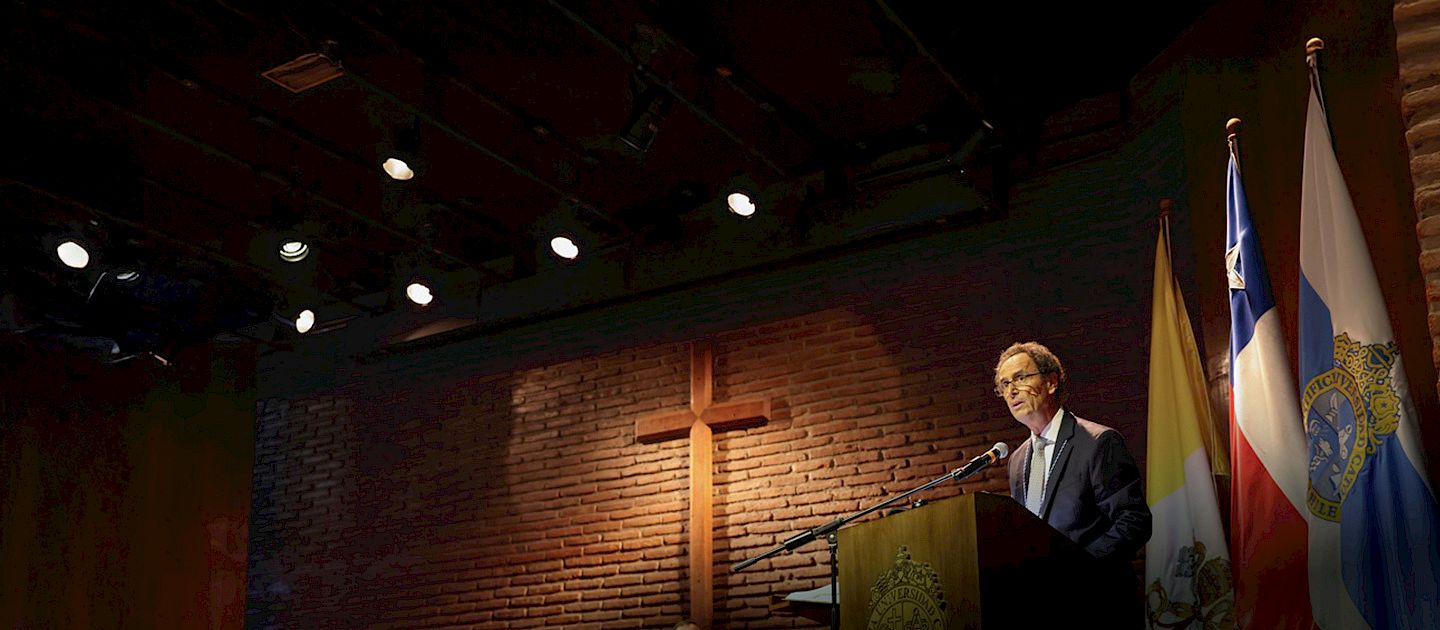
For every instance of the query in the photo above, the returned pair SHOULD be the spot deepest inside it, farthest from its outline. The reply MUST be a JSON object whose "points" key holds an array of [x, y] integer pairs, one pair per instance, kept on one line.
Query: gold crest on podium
{"points": [[907, 596]]}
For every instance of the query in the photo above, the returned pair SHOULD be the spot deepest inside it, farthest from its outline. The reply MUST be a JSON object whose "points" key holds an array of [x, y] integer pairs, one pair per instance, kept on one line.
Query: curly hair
{"points": [[1044, 359]]}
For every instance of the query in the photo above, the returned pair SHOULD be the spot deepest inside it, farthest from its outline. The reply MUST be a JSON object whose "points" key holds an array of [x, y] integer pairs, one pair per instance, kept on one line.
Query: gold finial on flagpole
{"points": [[1232, 137], [1166, 205], [1313, 46]]}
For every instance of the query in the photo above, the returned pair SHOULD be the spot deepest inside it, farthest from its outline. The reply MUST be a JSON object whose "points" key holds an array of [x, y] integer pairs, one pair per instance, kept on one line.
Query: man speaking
{"points": [[1074, 474]]}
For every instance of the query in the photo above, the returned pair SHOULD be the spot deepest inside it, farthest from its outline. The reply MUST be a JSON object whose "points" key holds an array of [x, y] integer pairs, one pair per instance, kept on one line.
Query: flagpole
{"points": [[1166, 205], [1315, 45], [1312, 60], [1189, 543], [1212, 437], [1312, 46], [1371, 515], [1268, 533], [1232, 139]]}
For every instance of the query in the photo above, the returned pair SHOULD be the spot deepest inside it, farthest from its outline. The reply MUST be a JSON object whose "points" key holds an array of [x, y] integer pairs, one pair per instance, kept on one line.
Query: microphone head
{"points": [[1002, 449]]}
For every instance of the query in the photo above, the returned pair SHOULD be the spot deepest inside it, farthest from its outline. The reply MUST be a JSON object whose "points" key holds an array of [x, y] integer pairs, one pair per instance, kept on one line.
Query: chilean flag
{"points": [[1372, 514], [1268, 530]]}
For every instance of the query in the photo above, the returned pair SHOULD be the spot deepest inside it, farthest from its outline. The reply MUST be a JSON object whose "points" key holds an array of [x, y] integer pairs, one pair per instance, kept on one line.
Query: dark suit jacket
{"points": [[1094, 496]]}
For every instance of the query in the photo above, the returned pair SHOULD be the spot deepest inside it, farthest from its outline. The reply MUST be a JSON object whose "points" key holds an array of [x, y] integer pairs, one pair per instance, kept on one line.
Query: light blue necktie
{"points": [[1035, 486]]}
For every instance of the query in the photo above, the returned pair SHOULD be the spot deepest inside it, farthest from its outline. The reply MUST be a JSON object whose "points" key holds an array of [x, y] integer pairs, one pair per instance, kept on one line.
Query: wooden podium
{"points": [[974, 561]]}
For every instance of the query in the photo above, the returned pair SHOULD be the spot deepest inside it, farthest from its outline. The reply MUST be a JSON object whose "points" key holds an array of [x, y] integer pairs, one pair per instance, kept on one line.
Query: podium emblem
{"points": [[907, 596]]}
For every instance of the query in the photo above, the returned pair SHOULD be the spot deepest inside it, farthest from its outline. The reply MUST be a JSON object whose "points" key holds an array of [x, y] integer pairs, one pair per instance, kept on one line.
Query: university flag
{"points": [[1371, 509], [1267, 442], [1187, 565]]}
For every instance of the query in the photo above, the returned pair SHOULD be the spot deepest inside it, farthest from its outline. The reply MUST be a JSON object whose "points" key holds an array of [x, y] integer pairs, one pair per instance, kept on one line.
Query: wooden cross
{"points": [[700, 421]]}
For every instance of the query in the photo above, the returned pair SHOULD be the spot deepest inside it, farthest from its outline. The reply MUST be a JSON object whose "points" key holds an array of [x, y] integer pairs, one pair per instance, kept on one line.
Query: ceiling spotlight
{"points": [[643, 124], [294, 251], [305, 321], [73, 254], [418, 293], [396, 168], [740, 203], [400, 151], [564, 247]]}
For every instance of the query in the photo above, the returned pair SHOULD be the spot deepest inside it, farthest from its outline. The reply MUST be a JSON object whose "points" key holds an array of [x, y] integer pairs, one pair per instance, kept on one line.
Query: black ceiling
{"points": [[148, 131]]}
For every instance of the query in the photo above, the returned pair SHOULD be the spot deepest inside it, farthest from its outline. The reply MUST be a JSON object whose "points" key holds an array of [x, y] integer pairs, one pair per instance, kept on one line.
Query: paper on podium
{"points": [[818, 595]]}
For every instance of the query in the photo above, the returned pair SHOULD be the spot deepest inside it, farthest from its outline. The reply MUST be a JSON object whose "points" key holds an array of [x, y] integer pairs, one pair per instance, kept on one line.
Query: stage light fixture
{"points": [[397, 169], [304, 321], [564, 247], [643, 123], [73, 254], [296, 308], [419, 292], [293, 251], [400, 157], [740, 203]]}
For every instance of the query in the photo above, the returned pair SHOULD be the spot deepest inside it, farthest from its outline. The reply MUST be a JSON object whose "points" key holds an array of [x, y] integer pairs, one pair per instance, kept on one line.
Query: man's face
{"points": [[1029, 395]]}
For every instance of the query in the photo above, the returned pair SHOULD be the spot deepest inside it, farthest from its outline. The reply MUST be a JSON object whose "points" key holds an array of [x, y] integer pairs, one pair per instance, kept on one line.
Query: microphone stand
{"points": [[828, 530]]}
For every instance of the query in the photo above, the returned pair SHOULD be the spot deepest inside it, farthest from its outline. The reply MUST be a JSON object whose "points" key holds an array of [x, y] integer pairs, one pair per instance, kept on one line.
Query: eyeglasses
{"points": [[1003, 385]]}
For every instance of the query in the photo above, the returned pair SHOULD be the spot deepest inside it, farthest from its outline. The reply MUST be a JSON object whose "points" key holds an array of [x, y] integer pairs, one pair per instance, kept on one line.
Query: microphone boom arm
{"points": [[804, 538]]}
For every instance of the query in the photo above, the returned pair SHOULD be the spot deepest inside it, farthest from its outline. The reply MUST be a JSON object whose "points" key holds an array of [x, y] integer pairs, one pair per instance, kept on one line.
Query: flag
{"points": [[1371, 509], [1267, 441], [1187, 565]]}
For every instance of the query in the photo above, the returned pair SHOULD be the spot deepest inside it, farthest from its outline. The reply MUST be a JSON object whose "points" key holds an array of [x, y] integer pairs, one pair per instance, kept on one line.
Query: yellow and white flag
{"points": [[1187, 564]]}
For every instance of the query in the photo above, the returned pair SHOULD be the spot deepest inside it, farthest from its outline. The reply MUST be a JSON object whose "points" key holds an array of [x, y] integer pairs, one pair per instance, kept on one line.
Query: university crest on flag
{"points": [[1349, 409], [1372, 513]]}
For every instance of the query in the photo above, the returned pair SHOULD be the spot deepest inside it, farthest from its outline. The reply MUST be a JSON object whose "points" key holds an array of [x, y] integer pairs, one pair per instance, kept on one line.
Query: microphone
{"points": [[996, 453]]}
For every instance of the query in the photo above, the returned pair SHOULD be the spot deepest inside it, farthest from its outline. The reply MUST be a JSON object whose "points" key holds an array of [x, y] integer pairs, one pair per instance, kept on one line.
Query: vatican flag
{"points": [[1187, 565]]}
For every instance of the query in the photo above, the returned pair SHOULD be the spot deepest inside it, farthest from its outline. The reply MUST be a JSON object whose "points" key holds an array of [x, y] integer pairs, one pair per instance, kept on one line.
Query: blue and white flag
{"points": [[1371, 509]]}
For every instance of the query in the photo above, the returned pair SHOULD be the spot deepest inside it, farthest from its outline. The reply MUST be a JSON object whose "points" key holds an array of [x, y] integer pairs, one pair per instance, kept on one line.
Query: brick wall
{"points": [[1417, 34], [496, 482]]}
